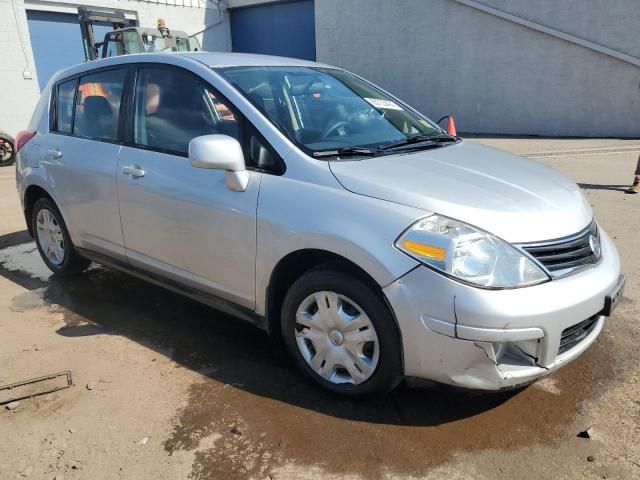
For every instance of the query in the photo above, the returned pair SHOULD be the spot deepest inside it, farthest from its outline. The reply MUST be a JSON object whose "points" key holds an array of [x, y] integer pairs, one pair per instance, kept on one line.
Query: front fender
{"points": [[295, 215]]}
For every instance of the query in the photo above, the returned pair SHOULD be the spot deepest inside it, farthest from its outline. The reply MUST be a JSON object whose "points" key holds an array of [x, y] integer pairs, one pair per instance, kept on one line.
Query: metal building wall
{"points": [[286, 29], [546, 75], [54, 41]]}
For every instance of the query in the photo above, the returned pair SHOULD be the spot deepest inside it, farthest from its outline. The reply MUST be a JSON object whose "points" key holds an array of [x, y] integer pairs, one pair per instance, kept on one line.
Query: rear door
{"points": [[80, 155], [180, 221]]}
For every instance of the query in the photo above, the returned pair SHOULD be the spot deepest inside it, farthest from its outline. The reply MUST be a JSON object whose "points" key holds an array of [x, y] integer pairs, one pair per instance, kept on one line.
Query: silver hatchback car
{"points": [[307, 200]]}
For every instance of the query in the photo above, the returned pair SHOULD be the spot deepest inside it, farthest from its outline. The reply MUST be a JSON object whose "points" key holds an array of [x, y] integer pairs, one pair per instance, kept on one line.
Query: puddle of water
{"points": [[28, 300], [24, 258], [406, 433]]}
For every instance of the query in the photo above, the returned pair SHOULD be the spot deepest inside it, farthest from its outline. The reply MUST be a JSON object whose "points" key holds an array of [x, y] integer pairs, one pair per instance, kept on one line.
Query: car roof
{"points": [[210, 59], [228, 59]]}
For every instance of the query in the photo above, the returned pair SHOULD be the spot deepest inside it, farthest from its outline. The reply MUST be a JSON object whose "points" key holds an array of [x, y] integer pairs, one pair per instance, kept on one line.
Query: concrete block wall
{"points": [[19, 95], [494, 75]]}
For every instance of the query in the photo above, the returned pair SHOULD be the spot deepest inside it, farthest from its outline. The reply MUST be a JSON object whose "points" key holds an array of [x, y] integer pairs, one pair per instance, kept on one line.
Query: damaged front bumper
{"points": [[496, 339]]}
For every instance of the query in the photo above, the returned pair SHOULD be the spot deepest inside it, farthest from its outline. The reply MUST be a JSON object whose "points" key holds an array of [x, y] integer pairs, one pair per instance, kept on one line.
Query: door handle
{"points": [[134, 172], [54, 154]]}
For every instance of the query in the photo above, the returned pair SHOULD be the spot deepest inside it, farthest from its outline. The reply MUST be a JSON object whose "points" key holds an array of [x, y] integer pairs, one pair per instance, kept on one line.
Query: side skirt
{"points": [[211, 300]]}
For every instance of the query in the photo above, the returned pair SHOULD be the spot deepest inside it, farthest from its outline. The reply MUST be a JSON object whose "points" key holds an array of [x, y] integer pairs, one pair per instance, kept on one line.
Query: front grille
{"points": [[566, 255], [572, 336]]}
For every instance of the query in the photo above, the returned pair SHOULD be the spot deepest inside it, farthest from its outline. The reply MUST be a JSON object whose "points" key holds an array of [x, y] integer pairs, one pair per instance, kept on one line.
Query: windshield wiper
{"points": [[418, 139], [345, 151], [350, 151]]}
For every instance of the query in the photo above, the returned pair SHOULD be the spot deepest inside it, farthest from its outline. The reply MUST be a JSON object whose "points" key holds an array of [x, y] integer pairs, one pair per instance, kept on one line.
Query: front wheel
{"points": [[340, 333], [53, 240]]}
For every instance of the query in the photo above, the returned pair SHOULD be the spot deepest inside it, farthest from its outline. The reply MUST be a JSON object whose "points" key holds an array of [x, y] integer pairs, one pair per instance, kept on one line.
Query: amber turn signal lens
{"points": [[423, 250]]}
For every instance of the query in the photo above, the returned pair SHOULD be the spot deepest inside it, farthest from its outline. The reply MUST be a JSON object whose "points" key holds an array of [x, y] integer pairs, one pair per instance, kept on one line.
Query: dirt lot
{"points": [[177, 390]]}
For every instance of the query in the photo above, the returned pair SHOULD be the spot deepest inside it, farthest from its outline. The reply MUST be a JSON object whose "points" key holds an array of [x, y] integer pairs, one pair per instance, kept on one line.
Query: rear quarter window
{"points": [[64, 106]]}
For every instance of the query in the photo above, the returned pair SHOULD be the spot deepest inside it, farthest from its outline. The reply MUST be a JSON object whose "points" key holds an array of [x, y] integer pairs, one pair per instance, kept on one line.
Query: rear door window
{"points": [[97, 109], [64, 106]]}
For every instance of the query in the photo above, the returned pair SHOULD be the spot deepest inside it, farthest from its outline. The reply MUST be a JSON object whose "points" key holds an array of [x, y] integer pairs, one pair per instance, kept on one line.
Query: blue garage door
{"points": [[57, 42], [286, 29]]}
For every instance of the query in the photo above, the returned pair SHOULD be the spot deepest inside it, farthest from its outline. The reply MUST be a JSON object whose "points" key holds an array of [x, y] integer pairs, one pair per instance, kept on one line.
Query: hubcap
{"points": [[50, 236], [336, 338], [6, 151]]}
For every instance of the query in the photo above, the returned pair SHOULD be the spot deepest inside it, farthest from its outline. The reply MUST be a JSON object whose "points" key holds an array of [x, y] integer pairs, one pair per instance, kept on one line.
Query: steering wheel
{"points": [[332, 128]]}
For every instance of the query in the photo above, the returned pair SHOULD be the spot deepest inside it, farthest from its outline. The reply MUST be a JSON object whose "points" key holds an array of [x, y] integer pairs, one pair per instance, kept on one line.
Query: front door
{"points": [[180, 221]]}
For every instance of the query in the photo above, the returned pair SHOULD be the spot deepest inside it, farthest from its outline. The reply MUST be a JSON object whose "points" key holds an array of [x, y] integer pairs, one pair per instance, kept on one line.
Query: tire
{"points": [[53, 237], [7, 149], [358, 359]]}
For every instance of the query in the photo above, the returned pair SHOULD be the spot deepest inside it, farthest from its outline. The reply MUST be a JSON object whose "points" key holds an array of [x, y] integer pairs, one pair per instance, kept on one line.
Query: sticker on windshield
{"points": [[385, 104]]}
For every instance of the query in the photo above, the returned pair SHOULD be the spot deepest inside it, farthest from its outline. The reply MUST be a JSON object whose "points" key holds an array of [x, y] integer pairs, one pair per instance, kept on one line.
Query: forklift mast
{"points": [[87, 16]]}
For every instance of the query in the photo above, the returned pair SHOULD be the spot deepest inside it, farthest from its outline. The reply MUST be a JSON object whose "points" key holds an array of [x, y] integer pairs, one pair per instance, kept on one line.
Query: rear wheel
{"points": [[53, 241], [341, 334]]}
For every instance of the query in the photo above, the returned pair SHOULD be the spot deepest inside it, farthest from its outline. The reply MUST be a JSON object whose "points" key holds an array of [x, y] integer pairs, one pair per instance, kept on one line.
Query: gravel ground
{"points": [[165, 388]]}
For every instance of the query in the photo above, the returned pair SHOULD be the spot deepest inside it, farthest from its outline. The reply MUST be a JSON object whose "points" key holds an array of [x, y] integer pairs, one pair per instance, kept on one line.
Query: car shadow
{"points": [[596, 186], [105, 301]]}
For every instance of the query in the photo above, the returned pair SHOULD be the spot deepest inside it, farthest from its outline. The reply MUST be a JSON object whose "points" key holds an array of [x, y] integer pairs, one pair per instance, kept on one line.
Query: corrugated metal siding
{"points": [[57, 42], [286, 29]]}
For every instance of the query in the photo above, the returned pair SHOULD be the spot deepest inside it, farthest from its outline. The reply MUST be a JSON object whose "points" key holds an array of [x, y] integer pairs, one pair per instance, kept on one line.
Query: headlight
{"points": [[469, 254]]}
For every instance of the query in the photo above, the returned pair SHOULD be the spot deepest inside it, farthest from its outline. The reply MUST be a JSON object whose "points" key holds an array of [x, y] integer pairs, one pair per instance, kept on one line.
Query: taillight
{"points": [[23, 137]]}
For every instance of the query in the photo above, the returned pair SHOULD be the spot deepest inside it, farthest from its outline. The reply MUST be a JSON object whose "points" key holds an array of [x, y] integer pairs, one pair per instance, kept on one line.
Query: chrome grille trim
{"points": [[564, 256]]}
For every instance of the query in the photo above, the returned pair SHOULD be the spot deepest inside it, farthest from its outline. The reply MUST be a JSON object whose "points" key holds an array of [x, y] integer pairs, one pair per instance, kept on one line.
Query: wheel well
{"points": [[32, 194], [296, 264]]}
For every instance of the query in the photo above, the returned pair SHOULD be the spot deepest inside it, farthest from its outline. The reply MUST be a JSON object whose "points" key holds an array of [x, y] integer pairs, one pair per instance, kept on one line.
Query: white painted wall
{"points": [[18, 95]]}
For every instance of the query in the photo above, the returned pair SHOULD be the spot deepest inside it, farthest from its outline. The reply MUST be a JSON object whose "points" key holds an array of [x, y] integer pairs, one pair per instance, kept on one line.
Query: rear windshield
{"points": [[322, 109]]}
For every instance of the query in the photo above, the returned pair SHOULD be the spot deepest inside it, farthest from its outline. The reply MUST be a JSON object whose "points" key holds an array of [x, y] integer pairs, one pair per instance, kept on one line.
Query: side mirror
{"points": [[220, 152]]}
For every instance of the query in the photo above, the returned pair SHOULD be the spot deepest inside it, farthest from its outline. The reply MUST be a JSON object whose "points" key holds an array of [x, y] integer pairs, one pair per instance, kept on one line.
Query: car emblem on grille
{"points": [[594, 243]]}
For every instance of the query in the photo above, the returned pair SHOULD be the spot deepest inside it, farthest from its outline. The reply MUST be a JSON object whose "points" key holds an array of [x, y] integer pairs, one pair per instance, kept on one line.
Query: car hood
{"points": [[512, 197]]}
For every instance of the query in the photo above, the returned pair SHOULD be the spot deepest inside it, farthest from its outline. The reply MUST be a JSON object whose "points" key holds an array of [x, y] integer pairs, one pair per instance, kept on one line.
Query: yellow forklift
{"points": [[125, 38]]}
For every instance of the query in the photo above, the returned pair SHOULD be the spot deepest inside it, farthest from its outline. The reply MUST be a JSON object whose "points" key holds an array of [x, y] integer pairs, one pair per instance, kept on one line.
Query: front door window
{"points": [[173, 107]]}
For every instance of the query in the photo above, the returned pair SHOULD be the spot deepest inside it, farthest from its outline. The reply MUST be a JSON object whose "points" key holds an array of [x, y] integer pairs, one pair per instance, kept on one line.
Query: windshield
{"points": [[155, 44], [189, 44], [322, 109]]}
